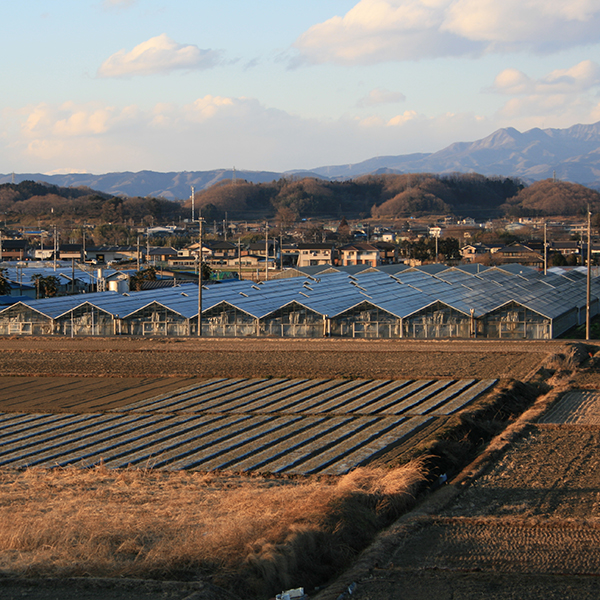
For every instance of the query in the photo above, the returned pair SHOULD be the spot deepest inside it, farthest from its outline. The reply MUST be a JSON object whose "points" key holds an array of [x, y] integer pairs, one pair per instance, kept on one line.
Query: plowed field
{"points": [[529, 528]]}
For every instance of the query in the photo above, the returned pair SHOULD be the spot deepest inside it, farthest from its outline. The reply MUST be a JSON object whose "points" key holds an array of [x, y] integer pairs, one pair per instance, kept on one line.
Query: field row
{"points": [[576, 407], [319, 396], [296, 426]]}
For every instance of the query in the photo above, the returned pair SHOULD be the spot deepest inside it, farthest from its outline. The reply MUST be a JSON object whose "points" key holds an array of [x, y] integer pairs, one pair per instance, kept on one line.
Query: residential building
{"points": [[359, 253], [13, 249], [311, 255]]}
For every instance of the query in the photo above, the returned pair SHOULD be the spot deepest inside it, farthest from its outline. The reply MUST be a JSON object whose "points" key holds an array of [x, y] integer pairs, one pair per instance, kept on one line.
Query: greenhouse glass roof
{"points": [[394, 289]]}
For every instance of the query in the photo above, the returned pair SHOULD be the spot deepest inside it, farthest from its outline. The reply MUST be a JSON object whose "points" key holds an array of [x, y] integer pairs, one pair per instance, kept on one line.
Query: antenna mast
{"points": [[193, 198]]}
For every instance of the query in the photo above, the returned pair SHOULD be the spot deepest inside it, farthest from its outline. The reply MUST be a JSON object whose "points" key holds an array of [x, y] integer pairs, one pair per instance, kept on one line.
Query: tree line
{"points": [[287, 200]]}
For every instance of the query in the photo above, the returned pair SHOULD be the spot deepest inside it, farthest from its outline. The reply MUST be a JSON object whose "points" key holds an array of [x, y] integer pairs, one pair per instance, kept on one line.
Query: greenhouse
{"points": [[366, 320], [390, 302], [20, 319], [293, 320], [514, 321], [154, 319], [225, 320], [85, 319], [438, 320]]}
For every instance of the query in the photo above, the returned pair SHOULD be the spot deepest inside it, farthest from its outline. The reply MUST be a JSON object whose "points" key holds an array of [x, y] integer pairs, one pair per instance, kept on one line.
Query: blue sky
{"points": [[126, 85]]}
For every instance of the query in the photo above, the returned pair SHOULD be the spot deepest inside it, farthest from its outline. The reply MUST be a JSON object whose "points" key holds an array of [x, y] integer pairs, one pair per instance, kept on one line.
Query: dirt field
{"points": [[381, 359], [529, 528]]}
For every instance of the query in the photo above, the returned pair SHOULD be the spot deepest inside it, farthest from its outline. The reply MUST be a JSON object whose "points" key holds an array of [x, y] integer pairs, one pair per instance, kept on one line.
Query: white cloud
{"points": [[158, 55], [578, 79], [211, 132], [566, 96], [393, 30], [381, 96], [70, 120], [64, 171], [554, 91], [118, 4], [408, 115], [218, 131]]}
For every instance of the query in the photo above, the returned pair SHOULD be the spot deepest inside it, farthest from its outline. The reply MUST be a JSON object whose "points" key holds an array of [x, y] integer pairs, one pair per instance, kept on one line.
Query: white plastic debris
{"points": [[295, 594]]}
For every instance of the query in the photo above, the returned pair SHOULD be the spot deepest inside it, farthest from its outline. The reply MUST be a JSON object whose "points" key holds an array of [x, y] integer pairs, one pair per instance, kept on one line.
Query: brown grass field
{"points": [[183, 533]]}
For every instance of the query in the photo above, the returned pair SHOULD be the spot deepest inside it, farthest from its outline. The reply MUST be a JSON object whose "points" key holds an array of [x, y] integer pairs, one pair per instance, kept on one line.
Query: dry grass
{"points": [[264, 534]]}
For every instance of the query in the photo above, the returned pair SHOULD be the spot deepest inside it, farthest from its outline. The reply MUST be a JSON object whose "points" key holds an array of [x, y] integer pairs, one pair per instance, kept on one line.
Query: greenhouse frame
{"points": [[389, 302]]}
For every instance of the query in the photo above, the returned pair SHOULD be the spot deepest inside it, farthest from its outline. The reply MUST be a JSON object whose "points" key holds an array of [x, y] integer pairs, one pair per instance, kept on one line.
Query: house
{"points": [[222, 250], [477, 251], [359, 253], [71, 252], [260, 248], [566, 248], [13, 249], [519, 253], [161, 255], [107, 254], [311, 255], [470, 252], [388, 252], [188, 255]]}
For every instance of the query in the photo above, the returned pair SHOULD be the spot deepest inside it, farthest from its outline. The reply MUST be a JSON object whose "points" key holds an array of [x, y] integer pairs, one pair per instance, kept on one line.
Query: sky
{"points": [[103, 86]]}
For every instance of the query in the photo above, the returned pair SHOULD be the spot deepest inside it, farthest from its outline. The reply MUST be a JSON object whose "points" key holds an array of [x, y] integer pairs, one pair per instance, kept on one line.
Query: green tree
{"points": [[4, 284], [206, 272], [46, 287], [139, 278]]}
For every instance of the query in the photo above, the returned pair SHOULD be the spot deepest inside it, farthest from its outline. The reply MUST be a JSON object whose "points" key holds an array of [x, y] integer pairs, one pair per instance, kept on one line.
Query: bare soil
{"points": [[183, 358], [530, 528]]}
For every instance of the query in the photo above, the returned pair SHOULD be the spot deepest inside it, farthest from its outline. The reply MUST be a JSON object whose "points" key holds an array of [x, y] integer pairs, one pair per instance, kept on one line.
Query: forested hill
{"points": [[288, 199], [29, 202], [386, 196]]}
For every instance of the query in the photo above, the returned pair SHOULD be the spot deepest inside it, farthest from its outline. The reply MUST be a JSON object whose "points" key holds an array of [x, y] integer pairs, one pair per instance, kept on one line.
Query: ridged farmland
{"points": [[277, 425]]}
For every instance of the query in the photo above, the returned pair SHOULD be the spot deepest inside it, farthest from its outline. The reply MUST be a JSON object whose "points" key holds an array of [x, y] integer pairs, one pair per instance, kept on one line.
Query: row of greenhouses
{"points": [[511, 302]]}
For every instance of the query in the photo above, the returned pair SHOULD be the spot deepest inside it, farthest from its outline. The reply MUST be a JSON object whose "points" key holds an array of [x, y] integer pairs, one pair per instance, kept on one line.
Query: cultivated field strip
{"points": [[81, 394], [576, 408], [278, 425]]}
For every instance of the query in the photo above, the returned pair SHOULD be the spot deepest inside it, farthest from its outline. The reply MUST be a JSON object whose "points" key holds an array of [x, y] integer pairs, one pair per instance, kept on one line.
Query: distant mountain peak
{"points": [[572, 154]]}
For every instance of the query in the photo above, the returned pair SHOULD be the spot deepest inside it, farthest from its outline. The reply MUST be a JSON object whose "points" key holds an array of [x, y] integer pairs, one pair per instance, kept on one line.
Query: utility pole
{"points": [[267, 252], [545, 252], [137, 254], [193, 198], [55, 245], [200, 278], [589, 276], [239, 259]]}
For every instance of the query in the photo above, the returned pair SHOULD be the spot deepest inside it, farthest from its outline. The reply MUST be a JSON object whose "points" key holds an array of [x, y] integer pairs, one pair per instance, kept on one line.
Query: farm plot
{"points": [[528, 527], [575, 407], [292, 426]]}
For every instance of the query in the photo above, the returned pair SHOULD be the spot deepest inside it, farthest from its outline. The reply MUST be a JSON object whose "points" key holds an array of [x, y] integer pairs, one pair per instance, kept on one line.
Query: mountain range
{"points": [[571, 154]]}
